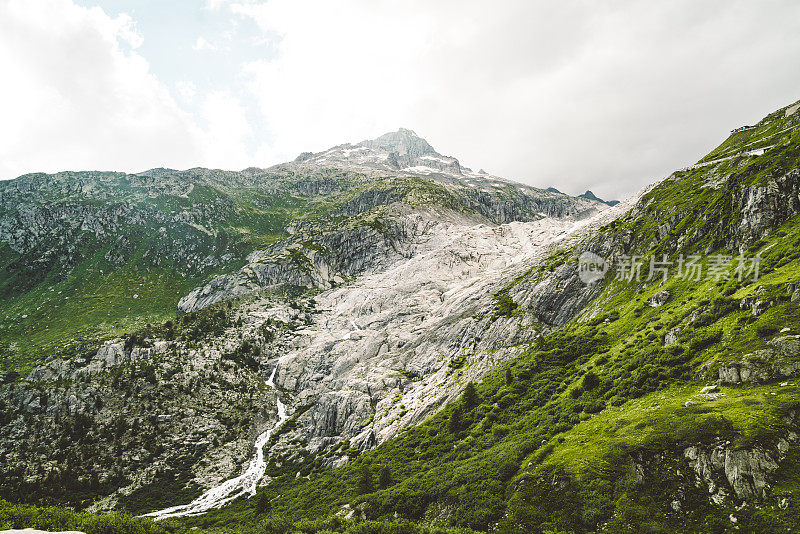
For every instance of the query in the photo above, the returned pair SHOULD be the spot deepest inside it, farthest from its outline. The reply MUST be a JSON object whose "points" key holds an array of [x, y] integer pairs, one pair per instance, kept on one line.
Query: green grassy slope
{"points": [[51, 306]]}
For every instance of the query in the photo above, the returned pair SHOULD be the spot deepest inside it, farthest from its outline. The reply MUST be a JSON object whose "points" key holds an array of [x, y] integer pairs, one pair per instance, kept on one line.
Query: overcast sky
{"points": [[608, 96]]}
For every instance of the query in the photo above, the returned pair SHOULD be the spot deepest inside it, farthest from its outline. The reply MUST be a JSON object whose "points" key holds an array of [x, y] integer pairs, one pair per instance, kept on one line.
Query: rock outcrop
{"points": [[780, 360], [746, 471]]}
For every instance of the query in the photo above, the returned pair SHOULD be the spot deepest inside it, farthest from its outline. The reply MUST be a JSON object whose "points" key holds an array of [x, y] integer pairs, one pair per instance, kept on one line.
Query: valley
{"points": [[375, 338]]}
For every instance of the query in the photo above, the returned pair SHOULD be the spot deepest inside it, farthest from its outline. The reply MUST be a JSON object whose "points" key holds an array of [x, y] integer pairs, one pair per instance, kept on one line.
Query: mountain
{"points": [[88, 256], [415, 353], [591, 196], [96, 265], [401, 152]]}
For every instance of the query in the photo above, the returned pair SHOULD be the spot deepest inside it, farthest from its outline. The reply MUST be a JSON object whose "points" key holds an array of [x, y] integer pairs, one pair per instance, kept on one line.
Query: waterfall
{"points": [[235, 487]]}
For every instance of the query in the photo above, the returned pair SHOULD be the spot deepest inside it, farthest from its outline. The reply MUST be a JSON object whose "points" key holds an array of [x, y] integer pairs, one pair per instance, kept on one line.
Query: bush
{"points": [[706, 340], [263, 503], [766, 330], [365, 485], [470, 396], [385, 477], [590, 381], [504, 305], [454, 424], [18, 516]]}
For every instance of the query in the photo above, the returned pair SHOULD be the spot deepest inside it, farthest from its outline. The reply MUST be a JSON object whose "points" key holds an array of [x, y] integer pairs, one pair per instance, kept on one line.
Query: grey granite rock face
{"points": [[781, 360], [746, 471], [728, 475], [335, 257], [389, 348], [671, 336], [764, 208], [128, 417]]}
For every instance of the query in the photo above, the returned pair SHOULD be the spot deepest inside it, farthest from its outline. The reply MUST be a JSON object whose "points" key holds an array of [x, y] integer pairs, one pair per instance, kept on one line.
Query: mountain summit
{"points": [[588, 195], [404, 142], [401, 151]]}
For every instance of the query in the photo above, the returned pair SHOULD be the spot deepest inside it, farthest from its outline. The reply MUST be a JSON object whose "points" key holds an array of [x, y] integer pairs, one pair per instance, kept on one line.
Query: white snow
{"points": [[421, 169], [448, 161], [753, 152]]}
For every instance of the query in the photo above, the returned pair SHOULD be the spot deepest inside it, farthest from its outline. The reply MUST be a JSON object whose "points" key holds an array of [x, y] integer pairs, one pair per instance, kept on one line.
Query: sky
{"points": [[603, 95]]}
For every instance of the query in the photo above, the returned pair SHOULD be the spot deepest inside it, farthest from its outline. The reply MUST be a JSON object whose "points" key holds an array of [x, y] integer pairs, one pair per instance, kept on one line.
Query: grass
{"points": [[661, 421], [84, 308]]}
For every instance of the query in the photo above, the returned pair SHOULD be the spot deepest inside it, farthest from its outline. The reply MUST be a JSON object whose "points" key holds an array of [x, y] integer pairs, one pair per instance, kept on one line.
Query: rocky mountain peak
{"points": [[401, 151], [404, 142], [588, 195]]}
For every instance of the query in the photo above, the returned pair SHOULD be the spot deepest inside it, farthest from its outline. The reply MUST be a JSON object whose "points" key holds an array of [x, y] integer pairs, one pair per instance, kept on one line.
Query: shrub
{"points": [[454, 424], [590, 381], [385, 477], [263, 503], [470, 396], [766, 330], [505, 305], [706, 340], [364, 485]]}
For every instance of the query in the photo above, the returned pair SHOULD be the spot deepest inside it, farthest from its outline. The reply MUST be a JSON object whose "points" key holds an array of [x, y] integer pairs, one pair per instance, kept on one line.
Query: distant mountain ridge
{"points": [[591, 196], [588, 195], [406, 153]]}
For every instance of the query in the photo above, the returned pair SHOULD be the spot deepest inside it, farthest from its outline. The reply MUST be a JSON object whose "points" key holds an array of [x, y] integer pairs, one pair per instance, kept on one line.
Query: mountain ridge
{"points": [[442, 335]]}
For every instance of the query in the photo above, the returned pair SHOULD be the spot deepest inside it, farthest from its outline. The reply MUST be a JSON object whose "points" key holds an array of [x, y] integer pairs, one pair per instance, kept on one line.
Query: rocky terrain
{"points": [[387, 260], [395, 311]]}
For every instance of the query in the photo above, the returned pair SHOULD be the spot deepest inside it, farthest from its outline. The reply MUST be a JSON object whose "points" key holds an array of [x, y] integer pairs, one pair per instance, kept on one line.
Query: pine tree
{"points": [[365, 480], [455, 420], [263, 503], [470, 396], [509, 377], [385, 477]]}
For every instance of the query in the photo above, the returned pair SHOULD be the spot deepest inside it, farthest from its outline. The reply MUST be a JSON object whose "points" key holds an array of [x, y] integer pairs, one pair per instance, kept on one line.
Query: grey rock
{"points": [[745, 470], [671, 337], [781, 360], [658, 299]]}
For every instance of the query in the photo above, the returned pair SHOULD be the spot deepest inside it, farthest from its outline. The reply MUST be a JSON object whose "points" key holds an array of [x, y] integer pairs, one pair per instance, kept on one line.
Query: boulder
{"points": [[658, 299]]}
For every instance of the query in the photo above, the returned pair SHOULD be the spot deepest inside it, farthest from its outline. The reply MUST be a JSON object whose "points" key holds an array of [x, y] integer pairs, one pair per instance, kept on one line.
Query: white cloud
{"points": [[202, 44], [336, 78], [213, 5], [75, 96], [574, 94], [607, 96], [187, 90], [227, 132]]}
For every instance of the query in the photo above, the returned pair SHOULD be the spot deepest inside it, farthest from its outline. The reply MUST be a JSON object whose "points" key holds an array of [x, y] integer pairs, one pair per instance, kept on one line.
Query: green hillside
{"points": [[75, 283], [669, 404]]}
